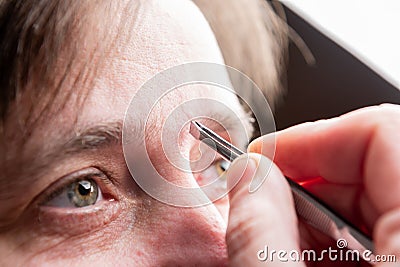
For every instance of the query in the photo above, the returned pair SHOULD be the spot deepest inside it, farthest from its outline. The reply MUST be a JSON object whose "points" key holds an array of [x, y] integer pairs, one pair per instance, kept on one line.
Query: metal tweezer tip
{"points": [[214, 141], [195, 129]]}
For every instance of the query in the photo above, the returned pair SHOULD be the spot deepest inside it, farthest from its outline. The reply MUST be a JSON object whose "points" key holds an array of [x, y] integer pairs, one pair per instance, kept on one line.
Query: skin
{"points": [[127, 227]]}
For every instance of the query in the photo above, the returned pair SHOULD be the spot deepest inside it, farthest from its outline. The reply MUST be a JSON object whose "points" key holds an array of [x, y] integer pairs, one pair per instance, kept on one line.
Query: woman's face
{"points": [[71, 199]]}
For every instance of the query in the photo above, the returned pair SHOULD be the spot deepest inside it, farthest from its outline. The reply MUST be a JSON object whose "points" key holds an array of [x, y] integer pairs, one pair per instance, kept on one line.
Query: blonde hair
{"points": [[253, 39]]}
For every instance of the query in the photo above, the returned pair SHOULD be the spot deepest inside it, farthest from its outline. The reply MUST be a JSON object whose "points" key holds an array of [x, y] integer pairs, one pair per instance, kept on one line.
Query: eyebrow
{"points": [[102, 135], [94, 137]]}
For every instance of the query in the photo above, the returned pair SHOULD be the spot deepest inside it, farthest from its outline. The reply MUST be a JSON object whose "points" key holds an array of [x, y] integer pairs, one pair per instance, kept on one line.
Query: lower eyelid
{"points": [[73, 221]]}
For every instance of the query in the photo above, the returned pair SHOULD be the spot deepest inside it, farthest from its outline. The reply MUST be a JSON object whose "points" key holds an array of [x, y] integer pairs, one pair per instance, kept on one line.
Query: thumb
{"points": [[387, 238], [262, 221]]}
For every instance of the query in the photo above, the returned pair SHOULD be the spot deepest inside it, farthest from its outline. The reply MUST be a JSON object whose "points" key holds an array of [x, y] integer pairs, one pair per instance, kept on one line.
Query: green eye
{"points": [[79, 193], [83, 193], [221, 166]]}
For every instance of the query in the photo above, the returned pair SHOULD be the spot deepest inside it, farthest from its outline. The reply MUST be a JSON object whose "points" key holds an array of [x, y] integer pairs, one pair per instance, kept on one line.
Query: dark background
{"points": [[336, 84]]}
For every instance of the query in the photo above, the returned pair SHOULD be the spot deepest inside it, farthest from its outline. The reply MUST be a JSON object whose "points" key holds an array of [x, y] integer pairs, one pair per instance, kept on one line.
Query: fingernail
{"points": [[241, 170], [265, 145], [264, 165]]}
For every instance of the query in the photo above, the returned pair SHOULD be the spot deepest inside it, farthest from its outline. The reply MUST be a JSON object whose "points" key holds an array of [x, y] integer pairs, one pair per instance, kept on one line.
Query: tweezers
{"points": [[310, 209]]}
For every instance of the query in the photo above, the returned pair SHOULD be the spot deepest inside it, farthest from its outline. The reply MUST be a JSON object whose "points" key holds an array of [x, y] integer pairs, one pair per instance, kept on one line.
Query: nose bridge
{"points": [[168, 150]]}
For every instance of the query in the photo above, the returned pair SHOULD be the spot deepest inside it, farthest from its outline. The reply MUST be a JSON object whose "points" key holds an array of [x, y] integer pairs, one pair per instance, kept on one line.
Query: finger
{"points": [[360, 147], [387, 238], [263, 219]]}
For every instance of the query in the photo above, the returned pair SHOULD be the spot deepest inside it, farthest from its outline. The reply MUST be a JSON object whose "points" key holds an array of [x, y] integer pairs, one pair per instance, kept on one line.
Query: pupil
{"points": [[84, 188]]}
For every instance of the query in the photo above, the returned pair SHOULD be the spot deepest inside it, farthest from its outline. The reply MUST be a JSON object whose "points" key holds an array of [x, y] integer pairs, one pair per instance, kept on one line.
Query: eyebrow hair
{"points": [[105, 134], [95, 137], [110, 133]]}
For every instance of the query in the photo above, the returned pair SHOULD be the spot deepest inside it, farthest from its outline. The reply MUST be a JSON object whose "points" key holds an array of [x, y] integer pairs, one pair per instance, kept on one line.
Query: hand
{"points": [[352, 163]]}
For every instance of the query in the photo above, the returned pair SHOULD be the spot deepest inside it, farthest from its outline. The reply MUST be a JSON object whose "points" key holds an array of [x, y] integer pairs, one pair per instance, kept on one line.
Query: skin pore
{"points": [[124, 226]]}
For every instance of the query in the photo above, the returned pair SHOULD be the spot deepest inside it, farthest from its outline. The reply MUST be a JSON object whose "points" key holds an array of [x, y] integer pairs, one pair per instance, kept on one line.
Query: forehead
{"points": [[165, 34]]}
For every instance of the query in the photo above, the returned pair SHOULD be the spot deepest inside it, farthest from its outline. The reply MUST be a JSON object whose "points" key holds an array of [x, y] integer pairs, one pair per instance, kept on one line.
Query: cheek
{"points": [[185, 235], [185, 228], [165, 235], [157, 235]]}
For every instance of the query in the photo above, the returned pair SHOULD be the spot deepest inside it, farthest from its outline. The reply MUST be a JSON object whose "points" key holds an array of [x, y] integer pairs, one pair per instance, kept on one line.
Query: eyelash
{"points": [[91, 173]]}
